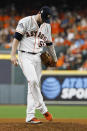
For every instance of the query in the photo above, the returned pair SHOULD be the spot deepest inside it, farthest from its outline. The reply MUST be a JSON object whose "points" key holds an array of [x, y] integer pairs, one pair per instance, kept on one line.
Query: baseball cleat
{"points": [[48, 116], [34, 121]]}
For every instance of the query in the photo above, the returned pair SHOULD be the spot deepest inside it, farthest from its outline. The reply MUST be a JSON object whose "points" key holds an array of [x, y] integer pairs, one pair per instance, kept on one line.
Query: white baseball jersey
{"points": [[34, 37]]}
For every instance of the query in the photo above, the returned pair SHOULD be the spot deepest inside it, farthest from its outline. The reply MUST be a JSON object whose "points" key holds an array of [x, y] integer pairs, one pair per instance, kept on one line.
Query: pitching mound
{"points": [[55, 125]]}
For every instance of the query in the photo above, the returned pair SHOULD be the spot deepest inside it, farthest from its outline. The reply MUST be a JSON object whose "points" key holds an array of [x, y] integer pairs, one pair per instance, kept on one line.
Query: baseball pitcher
{"points": [[32, 34]]}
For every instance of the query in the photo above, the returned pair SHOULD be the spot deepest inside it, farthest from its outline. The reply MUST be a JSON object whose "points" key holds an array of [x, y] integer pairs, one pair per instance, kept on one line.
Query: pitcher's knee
{"points": [[32, 82]]}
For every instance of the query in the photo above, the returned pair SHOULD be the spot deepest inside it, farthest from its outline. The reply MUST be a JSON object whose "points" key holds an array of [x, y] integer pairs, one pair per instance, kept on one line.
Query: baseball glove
{"points": [[47, 60]]}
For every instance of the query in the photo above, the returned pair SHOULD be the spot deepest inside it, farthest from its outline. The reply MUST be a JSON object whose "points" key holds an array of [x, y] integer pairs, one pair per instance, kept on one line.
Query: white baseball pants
{"points": [[31, 67]]}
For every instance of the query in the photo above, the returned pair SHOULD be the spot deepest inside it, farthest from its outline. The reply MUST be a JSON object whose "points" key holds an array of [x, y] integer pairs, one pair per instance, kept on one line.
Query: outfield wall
{"points": [[12, 94], [13, 85], [57, 87]]}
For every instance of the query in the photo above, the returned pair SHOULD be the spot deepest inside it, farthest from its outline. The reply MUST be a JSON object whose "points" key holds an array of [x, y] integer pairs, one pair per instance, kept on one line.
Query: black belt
{"points": [[28, 52]]}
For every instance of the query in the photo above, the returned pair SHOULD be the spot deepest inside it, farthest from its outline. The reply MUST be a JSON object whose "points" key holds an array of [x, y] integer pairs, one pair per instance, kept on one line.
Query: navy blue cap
{"points": [[46, 13]]}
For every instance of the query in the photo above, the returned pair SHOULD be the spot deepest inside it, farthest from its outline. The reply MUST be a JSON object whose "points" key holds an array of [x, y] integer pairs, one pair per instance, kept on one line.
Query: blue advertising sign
{"points": [[51, 87], [64, 87]]}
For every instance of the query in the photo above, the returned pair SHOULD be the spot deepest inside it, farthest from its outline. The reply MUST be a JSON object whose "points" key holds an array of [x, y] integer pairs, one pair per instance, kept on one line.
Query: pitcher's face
{"points": [[40, 19]]}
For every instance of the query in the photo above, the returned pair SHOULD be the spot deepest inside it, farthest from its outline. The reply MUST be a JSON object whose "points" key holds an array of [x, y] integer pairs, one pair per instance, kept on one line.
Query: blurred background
{"points": [[69, 35], [69, 28]]}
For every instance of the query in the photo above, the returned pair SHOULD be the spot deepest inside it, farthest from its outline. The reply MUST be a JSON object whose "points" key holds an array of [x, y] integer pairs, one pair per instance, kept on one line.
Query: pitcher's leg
{"points": [[43, 108], [38, 68], [34, 87], [25, 65], [39, 104], [30, 111]]}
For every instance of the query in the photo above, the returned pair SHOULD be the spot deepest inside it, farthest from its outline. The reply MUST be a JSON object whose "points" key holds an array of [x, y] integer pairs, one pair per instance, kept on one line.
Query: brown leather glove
{"points": [[47, 60]]}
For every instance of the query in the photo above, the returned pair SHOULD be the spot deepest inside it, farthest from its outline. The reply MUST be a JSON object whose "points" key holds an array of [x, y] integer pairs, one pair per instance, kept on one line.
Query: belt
{"points": [[28, 52]]}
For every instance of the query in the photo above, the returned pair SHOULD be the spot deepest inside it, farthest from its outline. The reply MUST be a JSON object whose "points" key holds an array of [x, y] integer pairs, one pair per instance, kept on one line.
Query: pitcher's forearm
{"points": [[52, 52], [14, 46]]}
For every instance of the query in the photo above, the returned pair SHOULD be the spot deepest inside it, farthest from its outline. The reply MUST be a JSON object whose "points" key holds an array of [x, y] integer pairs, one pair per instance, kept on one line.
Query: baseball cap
{"points": [[46, 13]]}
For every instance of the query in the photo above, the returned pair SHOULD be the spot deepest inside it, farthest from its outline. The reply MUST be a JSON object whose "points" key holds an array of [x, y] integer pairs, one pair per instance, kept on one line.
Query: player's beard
{"points": [[40, 21]]}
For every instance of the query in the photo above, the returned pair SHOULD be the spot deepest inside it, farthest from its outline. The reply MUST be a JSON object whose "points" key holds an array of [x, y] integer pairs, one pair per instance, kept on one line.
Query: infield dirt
{"points": [[55, 125]]}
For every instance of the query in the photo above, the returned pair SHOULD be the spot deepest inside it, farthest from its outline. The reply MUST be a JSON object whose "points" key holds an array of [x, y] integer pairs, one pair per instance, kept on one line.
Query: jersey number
{"points": [[41, 44]]}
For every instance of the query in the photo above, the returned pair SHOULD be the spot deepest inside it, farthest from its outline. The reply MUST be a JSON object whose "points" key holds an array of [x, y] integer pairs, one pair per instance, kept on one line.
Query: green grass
{"points": [[12, 111], [57, 111]]}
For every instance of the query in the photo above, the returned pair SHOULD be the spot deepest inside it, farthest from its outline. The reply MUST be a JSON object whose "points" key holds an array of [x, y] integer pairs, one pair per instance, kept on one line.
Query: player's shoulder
{"points": [[47, 25], [25, 19]]}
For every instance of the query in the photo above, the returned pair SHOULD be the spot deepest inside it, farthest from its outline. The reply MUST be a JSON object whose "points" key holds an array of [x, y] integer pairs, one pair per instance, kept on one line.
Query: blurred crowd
{"points": [[9, 18], [69, 34]]}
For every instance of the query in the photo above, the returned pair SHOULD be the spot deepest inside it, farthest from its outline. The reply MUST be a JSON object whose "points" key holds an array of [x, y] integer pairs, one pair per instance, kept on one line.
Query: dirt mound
{"points": [[16, 125], [42, 127]]}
